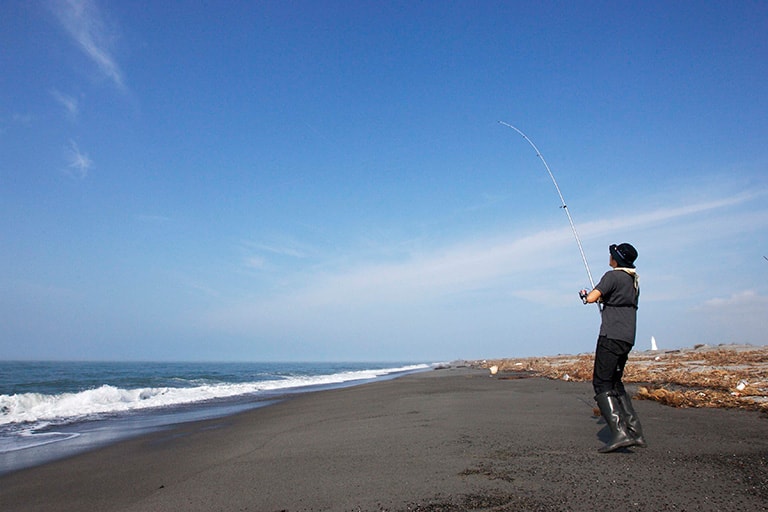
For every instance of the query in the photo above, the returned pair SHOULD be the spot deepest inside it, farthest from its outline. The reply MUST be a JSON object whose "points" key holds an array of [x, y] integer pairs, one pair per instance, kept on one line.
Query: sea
{"points": [[52, 410]]}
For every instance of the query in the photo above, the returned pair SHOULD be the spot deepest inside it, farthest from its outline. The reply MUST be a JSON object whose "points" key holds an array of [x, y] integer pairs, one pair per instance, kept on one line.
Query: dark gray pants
{"points": [[610, 359]]}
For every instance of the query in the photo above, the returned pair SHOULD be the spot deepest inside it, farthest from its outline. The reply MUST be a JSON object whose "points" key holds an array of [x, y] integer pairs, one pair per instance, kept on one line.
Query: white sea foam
{"points": [[105, 400]]}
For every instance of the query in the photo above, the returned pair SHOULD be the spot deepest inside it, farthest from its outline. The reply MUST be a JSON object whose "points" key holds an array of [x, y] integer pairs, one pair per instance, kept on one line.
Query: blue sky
{"points": [[329, 180]]}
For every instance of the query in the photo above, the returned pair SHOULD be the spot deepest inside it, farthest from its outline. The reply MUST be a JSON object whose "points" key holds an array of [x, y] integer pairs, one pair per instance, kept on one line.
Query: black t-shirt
{"points": [[619, 306]]}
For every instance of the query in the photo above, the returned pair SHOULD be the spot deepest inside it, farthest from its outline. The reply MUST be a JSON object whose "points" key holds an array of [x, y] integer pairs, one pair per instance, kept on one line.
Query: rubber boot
{"points": [[631, 420], [611, 411]]}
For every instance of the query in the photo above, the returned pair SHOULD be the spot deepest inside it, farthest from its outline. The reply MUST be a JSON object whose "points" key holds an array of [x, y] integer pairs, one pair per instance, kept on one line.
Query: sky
{"points": [[330, 180]]}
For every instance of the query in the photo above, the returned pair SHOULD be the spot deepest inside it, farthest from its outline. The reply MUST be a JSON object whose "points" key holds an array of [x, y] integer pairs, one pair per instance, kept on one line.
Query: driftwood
{"points": [[732, 376]]}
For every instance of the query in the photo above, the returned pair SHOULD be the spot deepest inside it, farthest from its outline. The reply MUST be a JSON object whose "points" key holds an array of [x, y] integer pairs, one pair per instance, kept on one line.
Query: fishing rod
{"points": [[562, 200]]}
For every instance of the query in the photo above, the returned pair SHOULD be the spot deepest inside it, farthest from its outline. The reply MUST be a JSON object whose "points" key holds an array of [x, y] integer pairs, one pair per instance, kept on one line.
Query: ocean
{"points": [[50, 410]]}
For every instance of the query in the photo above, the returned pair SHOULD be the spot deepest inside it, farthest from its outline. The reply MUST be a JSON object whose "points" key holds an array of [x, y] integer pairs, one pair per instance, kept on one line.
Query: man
{"points": [[618, 292]]}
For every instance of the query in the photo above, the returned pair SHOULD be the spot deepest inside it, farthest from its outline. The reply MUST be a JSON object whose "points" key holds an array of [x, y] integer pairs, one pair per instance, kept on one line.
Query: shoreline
{"points": [[71, 438], [448, 439]]}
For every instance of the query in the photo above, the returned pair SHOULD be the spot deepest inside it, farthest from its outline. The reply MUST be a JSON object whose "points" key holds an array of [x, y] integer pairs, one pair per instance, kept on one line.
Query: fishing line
{"points": [[562, 200]]}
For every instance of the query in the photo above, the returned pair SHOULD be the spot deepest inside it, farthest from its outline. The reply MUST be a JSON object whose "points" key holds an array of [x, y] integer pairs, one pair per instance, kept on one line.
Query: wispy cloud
{"points": [[620, 224], [509, 265], [478, 263], [262, 256], [292, 250], [144, 217], [193, 284], [749, 299], [735, 318], [69, 103], [79, 163], [23, 119], [84, 22], [256, 262]]}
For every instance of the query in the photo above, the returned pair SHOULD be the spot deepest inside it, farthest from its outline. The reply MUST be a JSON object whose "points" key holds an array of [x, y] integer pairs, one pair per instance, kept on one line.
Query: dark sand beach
{"points": [[443, 440]]}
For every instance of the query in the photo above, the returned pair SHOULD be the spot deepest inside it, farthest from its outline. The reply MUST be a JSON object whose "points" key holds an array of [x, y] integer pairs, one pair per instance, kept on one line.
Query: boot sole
{"points": [[614, 447]]}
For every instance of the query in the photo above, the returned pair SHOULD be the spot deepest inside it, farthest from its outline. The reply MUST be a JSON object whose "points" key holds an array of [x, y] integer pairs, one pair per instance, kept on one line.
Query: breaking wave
{"points": [[107, 399]]}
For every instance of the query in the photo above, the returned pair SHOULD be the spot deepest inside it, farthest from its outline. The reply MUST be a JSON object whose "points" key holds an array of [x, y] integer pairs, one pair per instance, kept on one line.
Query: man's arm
{"points": [[594, 296], [591, 297]]}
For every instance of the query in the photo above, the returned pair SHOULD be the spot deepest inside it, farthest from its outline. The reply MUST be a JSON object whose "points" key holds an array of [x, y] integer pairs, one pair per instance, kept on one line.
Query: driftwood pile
{"points": [[732, 376]]}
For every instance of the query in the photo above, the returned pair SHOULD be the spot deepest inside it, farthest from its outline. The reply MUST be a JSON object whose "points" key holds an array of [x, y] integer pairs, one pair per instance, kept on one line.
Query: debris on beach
{"points": [[727, 376]]}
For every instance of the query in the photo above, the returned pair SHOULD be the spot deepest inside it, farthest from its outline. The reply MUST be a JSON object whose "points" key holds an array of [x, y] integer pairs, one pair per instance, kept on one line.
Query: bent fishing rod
{"points": [[564, 206]]}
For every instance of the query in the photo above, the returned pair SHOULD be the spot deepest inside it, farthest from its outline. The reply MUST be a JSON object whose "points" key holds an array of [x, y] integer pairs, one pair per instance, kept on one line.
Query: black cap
{"points": [[624, 254]]}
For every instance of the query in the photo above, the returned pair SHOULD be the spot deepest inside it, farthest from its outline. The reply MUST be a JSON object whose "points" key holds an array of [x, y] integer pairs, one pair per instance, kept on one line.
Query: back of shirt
{"points": [[620, 298]]}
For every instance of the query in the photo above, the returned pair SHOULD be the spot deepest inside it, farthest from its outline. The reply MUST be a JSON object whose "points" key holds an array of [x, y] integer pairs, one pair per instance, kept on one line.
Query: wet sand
{"points": [[443, 440]]}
